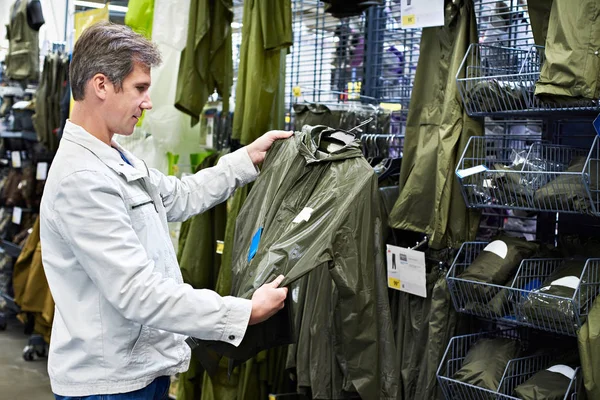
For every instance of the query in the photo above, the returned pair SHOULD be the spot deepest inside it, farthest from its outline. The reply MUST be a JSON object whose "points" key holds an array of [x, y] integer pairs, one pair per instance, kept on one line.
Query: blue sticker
{"points": [[254, 244], [597, 124]]}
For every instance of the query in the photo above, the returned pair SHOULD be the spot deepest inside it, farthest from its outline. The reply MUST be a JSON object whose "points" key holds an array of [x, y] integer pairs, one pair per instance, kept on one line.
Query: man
{"points": [[122, 309]]}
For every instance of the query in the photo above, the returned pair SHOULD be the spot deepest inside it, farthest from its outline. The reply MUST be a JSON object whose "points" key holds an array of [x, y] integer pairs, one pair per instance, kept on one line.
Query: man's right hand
{"points": [[267, 300]]}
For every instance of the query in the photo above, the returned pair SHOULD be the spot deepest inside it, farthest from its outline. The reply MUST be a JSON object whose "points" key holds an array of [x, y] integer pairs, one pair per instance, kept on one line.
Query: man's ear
{"points": [[100, 86]]}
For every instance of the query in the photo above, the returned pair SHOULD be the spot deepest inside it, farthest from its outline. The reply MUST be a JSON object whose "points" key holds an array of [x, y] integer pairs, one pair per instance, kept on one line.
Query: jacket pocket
{"points": [[139, 350]]}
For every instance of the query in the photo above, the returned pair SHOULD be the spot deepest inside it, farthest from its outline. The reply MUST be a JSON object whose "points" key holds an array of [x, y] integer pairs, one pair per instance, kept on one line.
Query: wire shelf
{"points": [[528, 174], [500, 81], [522, 302], [516, 372]]}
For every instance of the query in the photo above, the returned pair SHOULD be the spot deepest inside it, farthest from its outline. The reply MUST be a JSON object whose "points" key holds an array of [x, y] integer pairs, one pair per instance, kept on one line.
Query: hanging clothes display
{"points": [[48, 117], [266, 35], [206, 63], [323, 218], [139, 16], [437, 131], [22, 60]]}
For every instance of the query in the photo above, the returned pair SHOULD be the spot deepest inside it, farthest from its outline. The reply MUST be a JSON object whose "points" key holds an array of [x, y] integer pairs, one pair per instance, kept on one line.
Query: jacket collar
{"points": [[308, 142], [109, 156]]}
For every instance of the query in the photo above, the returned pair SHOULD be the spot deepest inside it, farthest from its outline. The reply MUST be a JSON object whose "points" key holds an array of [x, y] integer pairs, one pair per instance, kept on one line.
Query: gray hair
{"points": [[111, 50]]}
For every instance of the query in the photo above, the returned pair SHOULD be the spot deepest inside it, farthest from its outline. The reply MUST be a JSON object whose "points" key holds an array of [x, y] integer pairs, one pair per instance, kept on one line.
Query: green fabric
{"points": [[484, 95], [511, 189], [267, 29], [588, 339], [139, 16], [486, 361], [498, 307], [544, 385], [206, 62], [342, 235], [491, 268], [567, 191], [437, 132], [572, 66], [22, 60], [539, 16]]}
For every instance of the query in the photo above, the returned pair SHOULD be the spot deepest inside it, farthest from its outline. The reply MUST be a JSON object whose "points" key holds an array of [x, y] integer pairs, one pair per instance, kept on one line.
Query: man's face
{"points": [[124, 108]]}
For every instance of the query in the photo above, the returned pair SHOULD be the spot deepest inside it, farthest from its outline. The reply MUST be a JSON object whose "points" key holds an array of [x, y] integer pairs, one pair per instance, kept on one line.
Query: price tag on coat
{"points": [[422, 13], [17, 215], [41, 171], [16, 159], [406, 270]]}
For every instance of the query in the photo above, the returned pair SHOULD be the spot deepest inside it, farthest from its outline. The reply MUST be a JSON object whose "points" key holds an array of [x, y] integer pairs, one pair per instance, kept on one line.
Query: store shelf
{"points": [[523, 302], [8, 303], [525, 173], [500, 81], [516, 372], [10, 248], [25, 135]]}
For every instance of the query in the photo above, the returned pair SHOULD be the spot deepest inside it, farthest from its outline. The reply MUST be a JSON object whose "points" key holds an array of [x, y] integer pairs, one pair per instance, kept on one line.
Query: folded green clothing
{"points": [[510, 188], [486, 361], [553, 303], [495, 95], [496, 264], [549, 384]]}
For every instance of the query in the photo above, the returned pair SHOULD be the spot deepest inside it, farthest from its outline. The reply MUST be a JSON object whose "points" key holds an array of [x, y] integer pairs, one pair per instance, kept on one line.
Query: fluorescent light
{"points": [[91, 4]]}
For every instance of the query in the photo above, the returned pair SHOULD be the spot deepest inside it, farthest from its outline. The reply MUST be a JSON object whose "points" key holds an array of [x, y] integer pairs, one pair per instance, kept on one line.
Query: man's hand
{"points": [[258, 149], [267, 300]]}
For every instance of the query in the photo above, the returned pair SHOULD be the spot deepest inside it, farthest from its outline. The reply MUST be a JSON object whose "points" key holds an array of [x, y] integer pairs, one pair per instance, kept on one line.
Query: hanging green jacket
{"points": [[266, 31], [22, 60], [139, 16], [589, 351], [206, 62], [437, 131], [316, 206]]}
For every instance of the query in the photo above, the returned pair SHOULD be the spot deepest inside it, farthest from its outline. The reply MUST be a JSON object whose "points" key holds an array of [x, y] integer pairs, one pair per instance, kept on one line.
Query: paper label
{"points": [[498, 247], [41, 171], [406, 270], [220, 247], [210, 127], [303, 216], [463, 173], [568, 281], [16, 159], [17, 215], [422, 13], [563, 369]]}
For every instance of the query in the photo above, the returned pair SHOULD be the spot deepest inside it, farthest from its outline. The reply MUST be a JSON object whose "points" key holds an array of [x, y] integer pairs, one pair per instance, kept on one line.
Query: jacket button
{"points": [[231, 337]]}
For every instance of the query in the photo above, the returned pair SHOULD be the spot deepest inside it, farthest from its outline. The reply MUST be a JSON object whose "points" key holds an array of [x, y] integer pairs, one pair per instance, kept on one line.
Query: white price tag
{"points": [[463, 173], [422, 13], [406, 270], [16, 159], [17, 215], [210, 128], [42, 171]]}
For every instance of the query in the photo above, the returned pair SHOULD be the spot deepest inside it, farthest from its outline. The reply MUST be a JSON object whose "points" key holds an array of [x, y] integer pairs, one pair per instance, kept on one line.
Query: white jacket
{"points": [[122, 309]]}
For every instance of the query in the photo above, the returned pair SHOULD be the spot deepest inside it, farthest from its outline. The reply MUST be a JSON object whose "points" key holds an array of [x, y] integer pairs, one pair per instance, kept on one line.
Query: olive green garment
{"points": [[23, 58], [339, 227], [437, 131], [267, 29], [539, 17], [589, 351], [486, 361], [139, 16], [206, 62], [572, 66], [494, 267], [544, 385]]}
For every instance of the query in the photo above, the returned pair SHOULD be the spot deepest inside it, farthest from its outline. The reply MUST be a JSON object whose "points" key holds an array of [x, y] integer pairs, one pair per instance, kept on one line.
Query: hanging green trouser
{"points": [[267, 30], [437, 131], [570, 32], [206, 62]]}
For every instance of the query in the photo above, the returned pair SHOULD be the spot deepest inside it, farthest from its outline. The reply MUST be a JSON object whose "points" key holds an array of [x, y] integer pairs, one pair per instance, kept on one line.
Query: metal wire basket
{"points": [[495, 80], [528, 174], [519, 370], [453, 361], [521, 302]]}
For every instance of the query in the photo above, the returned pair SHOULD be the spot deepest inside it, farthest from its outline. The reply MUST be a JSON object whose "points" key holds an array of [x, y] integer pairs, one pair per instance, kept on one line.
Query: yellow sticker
{"points": [[408, 20], [394, 283], [272, 397], [297, 91], [220, 246], [288, 119]]}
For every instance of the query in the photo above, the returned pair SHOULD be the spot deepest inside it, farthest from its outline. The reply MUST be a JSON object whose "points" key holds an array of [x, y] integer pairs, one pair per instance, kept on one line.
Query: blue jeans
{"points": [[157, 390]]}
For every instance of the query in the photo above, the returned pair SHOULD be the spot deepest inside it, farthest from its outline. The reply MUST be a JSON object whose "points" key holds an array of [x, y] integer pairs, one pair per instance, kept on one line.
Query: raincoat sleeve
{"points": [[96, 225], [191, 195]]}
